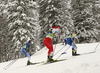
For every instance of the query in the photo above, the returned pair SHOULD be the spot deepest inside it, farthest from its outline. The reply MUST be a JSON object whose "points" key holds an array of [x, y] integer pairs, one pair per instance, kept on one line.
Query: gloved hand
{"points": [[26, 50], [59, 27], [65, 43]]}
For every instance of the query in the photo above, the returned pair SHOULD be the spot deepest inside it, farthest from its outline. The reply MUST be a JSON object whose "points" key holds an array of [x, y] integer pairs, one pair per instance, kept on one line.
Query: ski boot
{"points": [[74, 53], [50, 59], [29, 63]]}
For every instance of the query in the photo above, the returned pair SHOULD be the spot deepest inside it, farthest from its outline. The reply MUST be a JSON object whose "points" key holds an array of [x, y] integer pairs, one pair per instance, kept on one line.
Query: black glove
{"points": [[65, 43]]}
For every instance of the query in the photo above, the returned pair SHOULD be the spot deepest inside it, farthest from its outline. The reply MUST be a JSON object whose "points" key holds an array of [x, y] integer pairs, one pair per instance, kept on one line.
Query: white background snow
{"points": [[88, 63]]}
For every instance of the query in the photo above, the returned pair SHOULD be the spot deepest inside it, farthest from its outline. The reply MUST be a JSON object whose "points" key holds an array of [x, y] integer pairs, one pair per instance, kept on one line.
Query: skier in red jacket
{"points": [[48, 43]]}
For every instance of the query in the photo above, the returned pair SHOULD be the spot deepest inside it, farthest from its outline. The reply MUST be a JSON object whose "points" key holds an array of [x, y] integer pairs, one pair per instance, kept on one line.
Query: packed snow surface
{"points": [[86, 63]]}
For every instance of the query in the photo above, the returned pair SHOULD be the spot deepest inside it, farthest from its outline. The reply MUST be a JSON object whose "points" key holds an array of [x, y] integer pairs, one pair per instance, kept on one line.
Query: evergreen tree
{"points": [[4, 40], [21, 24], [96, 12], [54, 12], [84, 22]]}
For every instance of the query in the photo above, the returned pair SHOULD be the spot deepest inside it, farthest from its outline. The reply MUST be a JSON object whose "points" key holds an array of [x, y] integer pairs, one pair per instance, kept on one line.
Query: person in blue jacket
{"points": [[25, 50], [70, 41]]}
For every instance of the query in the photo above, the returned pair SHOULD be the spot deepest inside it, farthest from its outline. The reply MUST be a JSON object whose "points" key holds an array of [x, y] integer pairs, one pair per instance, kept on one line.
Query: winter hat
{"points": [[54, 26], [29, 41]]}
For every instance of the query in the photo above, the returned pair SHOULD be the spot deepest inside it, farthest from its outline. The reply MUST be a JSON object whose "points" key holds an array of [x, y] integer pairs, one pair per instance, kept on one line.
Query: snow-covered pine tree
{"points": [[84, 22], [96, 12], [54, 12], [66, 21], [21, 24], [4, 40]]}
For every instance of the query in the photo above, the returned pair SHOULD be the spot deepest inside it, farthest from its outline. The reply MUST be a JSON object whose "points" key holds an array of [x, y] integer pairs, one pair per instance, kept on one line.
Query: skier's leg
{"points": [[50, 52], [49, 45], [29, 56], [26, 54], [74, 51]]}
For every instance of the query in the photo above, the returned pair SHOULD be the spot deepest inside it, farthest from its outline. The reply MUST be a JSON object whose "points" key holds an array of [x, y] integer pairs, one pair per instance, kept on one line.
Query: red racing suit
{"points": [[47, 40]]}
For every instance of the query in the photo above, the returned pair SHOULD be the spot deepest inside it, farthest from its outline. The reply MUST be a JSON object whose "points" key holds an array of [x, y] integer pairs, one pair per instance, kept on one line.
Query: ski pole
{"points": [[54, 49], [59, 50], [63, 52], [74, 44], [8, 64], [6, 67], [56, 43], [96, 46]]}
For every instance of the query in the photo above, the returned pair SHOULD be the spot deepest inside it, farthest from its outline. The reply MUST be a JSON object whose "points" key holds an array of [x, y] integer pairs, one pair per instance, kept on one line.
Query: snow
{"points": [[88, 63]]}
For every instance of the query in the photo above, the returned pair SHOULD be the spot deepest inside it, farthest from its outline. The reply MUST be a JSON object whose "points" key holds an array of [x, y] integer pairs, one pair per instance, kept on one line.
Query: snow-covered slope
{"points": [[88, 63]]}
